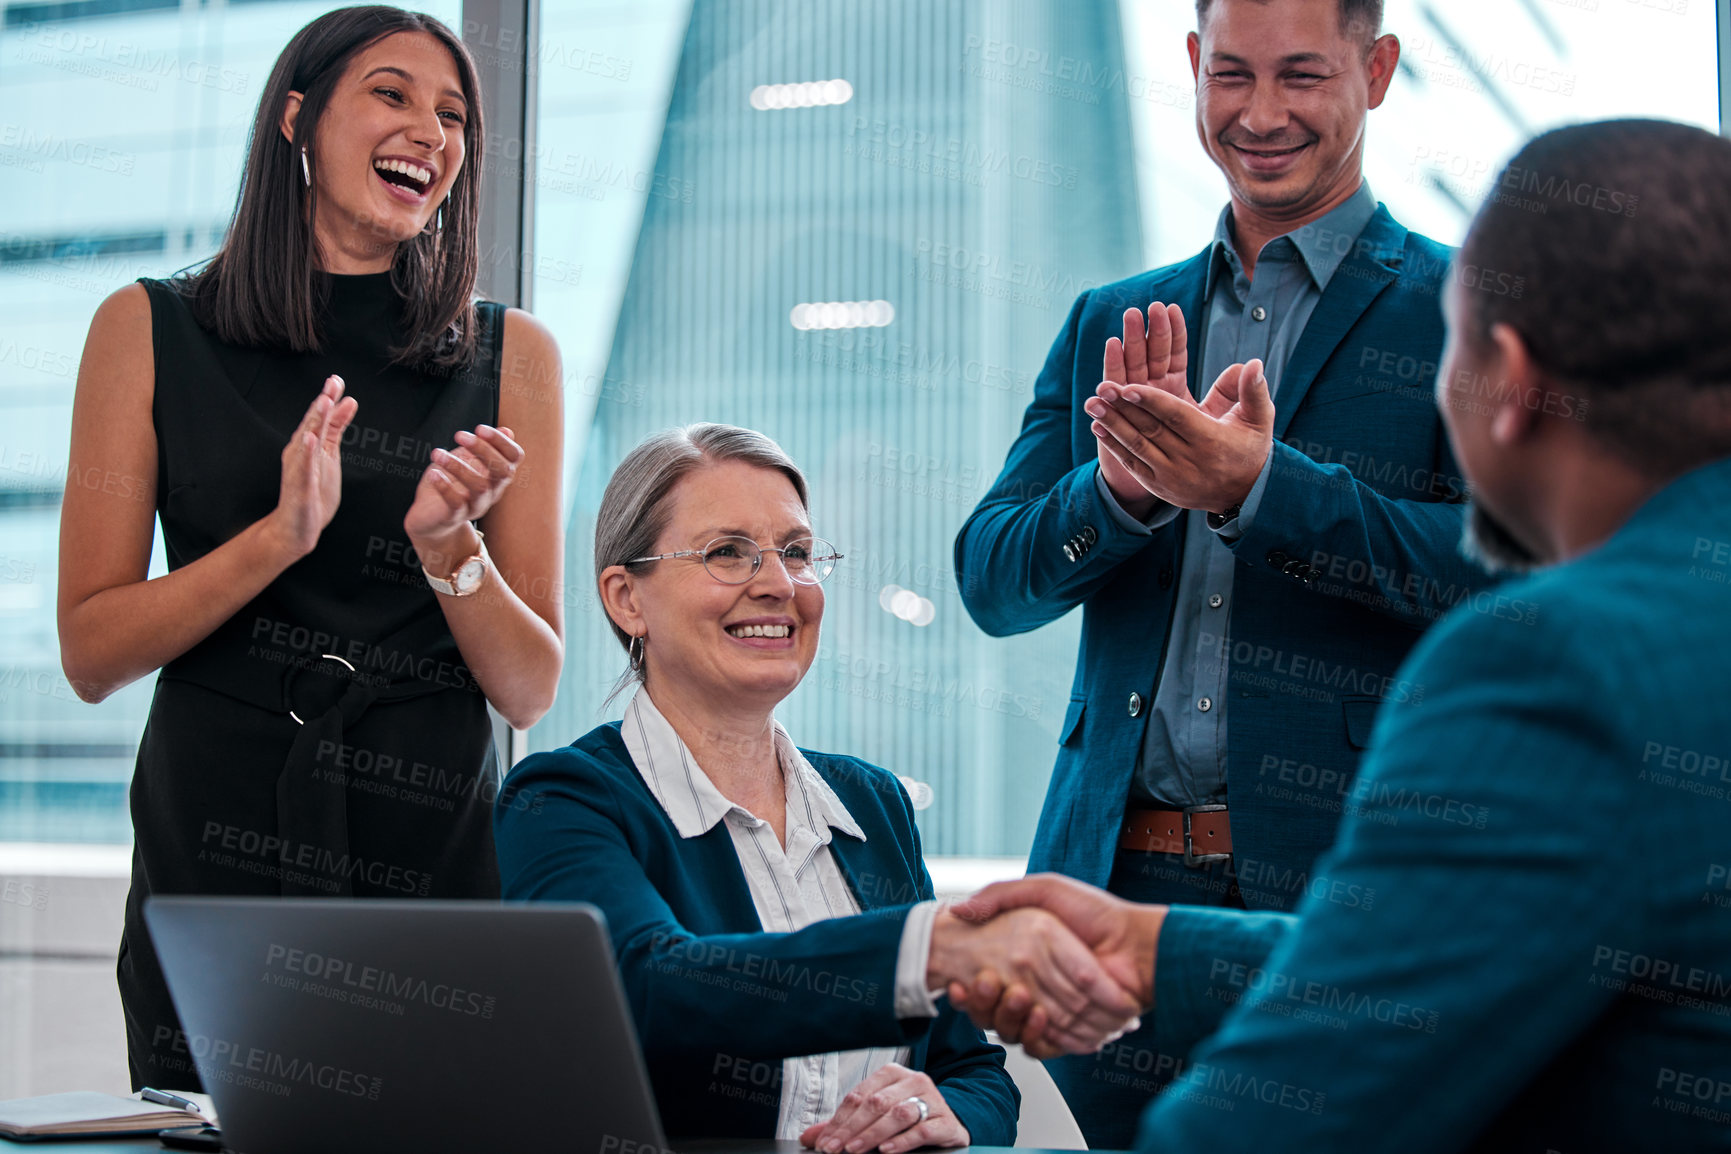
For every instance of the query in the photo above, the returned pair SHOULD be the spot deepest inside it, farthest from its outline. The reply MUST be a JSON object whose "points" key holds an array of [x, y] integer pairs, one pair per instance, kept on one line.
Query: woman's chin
{"points": [[400, 230], [391, 224], [771, 678]]}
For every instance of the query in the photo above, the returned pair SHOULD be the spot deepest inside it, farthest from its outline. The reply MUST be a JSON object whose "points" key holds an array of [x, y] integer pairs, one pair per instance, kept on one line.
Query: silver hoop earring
{"points": [[306, 169], [634, 652]]}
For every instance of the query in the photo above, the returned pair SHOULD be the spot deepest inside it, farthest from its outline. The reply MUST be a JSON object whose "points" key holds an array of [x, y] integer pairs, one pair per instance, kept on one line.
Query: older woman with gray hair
{"points": [[772, 919]]}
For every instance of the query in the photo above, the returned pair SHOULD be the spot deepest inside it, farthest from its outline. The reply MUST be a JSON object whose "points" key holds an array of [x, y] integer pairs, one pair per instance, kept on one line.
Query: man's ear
{"points": [[619, 598], [1519, 381], [291, 110], [1384, 59], [1194, 43]]}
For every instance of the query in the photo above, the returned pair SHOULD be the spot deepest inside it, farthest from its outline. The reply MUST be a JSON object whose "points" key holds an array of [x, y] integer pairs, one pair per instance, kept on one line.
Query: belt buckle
{"points": [[1191, 857], [352, 669]]}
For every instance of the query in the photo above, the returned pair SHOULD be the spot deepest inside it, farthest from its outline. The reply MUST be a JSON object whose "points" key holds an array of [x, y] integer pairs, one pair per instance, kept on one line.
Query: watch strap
{"points": [[448, 586]]}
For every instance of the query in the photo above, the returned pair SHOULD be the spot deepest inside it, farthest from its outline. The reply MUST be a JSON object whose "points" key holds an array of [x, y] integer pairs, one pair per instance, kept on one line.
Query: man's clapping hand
{"points": [[1158, 356], [1156, 442], [1081, 1005], [1123, 937]]}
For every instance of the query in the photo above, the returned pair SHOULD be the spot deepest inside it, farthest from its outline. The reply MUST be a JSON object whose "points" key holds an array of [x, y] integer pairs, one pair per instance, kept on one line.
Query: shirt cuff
{"points": [[913, 1000], [1162, 515], [1240, 525]]}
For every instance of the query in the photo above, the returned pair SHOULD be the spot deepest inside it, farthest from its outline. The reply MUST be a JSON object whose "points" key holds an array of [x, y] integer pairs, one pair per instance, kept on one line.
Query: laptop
{"points": [[431, 1026]]}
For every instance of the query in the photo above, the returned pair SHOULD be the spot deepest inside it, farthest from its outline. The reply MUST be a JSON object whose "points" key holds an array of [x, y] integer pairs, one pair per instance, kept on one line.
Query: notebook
{"points": [[87, 1114]]}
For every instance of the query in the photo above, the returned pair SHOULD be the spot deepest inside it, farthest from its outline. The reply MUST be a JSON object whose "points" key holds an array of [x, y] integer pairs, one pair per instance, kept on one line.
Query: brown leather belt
{"points": [[1200, 833]]}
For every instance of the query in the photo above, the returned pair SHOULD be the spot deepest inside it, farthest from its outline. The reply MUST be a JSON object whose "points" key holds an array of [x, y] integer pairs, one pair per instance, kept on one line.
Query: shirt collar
{"points": [[692, 801], [1323, 244]]}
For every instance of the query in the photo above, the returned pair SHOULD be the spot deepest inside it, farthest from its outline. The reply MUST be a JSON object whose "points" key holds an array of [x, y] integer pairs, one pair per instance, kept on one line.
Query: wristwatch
{"points": [[469, 575]]}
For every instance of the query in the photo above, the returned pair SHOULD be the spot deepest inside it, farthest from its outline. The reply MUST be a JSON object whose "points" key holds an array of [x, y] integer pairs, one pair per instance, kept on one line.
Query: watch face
{"points": [[468, 577]]}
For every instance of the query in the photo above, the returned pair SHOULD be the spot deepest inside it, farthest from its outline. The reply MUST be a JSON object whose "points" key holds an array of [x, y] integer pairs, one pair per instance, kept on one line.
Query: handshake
{"points": [[1061, 967]]}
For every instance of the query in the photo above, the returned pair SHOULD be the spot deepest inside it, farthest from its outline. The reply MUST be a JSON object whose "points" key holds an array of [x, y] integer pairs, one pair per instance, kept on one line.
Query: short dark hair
{"points": [[1362, 18], [259, 290], [1611, 245]]}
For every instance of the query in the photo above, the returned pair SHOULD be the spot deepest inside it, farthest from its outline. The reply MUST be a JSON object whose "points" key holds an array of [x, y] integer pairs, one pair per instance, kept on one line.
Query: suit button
{"points": [[1278, 559], [1216, 601], [1070, 553], [1296, 569], [1166, 577], [1205, 704], [1135, 705], [1089, 536]]}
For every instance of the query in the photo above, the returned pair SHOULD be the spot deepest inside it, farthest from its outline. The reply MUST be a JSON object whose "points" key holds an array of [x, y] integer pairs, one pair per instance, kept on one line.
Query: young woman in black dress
{"points": [[327, 423]]}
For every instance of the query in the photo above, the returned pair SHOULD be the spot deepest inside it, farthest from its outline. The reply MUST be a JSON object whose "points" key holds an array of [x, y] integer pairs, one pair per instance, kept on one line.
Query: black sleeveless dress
{"points": [[326, 740]]}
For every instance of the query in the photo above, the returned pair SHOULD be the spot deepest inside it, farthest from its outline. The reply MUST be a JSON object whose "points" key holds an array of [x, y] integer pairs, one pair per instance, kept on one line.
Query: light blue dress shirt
{"points": [[1183, 756]]}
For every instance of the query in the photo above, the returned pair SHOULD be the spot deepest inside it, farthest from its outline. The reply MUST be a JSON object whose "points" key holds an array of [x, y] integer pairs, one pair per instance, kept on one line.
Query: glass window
{"points": [[1477, 78], [862, 230], [856, 228], [123, 126], [856, 231]]}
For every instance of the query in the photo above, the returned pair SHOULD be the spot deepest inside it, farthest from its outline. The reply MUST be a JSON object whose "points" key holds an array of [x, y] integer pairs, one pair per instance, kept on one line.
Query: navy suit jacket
{"points": [[717, 1002], [1527, 942], [1353, 551]]}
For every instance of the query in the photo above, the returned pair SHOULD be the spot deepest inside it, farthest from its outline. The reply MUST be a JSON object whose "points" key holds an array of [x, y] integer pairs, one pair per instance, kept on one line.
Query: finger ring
{"points": [[925, 1110]]}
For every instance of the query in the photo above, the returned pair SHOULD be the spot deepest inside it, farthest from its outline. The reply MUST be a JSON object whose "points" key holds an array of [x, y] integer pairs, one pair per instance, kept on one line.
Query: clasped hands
{"points": [[1156, 443], [1059, 966]]}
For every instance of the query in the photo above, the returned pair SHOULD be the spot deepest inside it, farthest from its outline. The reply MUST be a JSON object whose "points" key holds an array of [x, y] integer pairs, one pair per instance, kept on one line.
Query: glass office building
{"points": [[855, 226], [862, 237]]}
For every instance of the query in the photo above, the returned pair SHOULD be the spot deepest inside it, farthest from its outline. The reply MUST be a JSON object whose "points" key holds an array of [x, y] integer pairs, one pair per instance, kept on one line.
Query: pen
{"points": [[164, 1098]]}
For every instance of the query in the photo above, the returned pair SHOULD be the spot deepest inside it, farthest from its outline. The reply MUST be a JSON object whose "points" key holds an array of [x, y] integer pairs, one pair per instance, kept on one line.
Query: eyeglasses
{"points": [[736, 560]]}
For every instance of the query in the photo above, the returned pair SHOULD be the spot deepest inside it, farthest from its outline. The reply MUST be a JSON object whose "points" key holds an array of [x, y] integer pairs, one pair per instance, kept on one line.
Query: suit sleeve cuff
{"points": [[913, 1000], [1232, 530], [1163, 513], [1204, 955]]}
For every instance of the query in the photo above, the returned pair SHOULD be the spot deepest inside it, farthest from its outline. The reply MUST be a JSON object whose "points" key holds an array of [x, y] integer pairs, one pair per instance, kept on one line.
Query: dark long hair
{"points": [[259, 289]]}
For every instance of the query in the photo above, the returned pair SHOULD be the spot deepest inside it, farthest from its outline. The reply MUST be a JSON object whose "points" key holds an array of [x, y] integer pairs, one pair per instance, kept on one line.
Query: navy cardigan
{"points": [[718, 1003]]}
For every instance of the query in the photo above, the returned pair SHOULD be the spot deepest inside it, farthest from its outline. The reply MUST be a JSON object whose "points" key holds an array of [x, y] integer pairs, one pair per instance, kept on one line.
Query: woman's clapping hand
{"points": [[462, 485], [312, 470]]}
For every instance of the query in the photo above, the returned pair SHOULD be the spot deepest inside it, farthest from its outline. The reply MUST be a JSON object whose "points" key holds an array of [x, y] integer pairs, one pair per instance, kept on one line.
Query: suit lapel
{"points": [[851, 857], [873, 869], [1373, 266], [732, 895]]}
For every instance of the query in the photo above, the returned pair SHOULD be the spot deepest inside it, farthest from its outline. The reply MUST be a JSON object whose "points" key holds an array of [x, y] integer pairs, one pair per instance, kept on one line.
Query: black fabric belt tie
{"points": [[326, 694]]}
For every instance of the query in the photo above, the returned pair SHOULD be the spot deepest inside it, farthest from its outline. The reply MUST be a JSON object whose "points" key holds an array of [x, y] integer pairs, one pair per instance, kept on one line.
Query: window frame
{"points": [[504, 37], [1723, 11]]}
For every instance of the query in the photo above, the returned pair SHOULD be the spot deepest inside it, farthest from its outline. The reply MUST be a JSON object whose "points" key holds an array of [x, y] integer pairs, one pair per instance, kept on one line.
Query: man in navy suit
{"points": [[1253, 565], [1546, 962]]}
